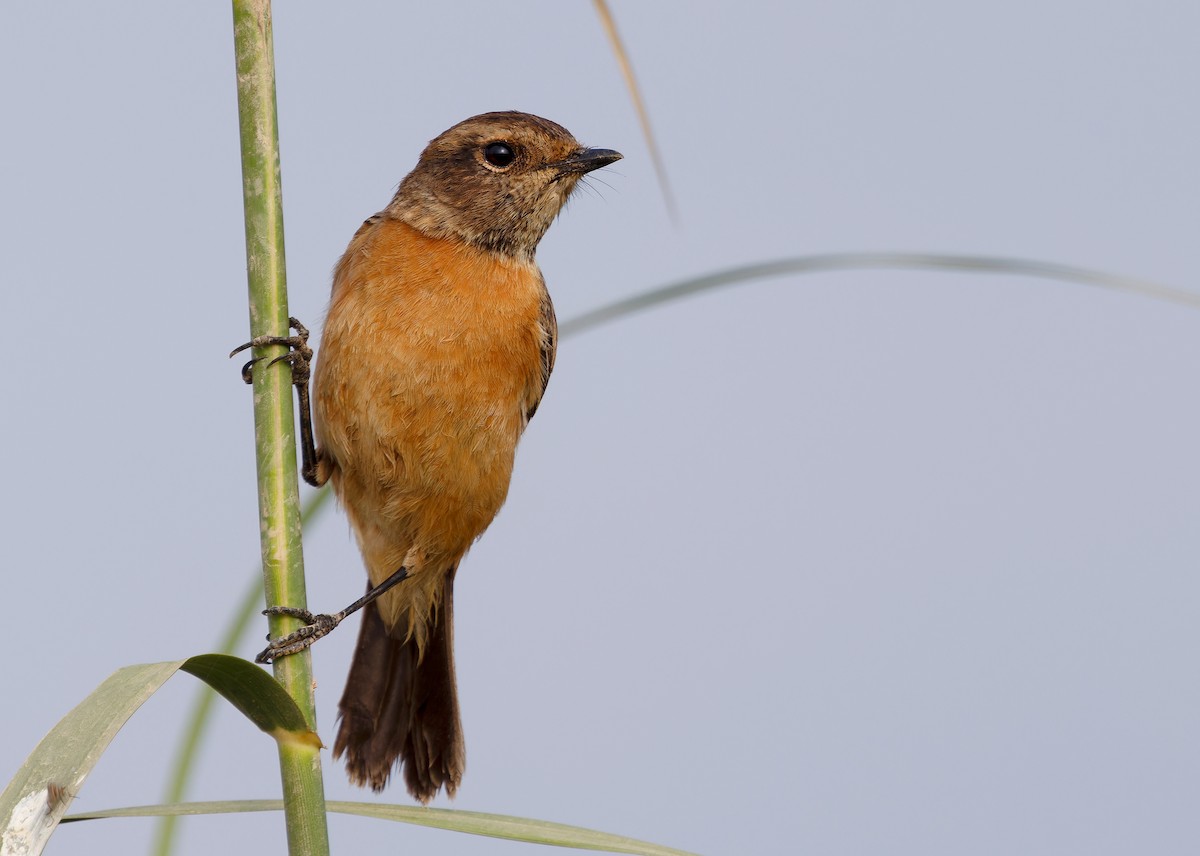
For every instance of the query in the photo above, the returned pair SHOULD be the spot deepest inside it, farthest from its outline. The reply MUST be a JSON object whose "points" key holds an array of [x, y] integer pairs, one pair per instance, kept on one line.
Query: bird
{"points": [[436, 350]]}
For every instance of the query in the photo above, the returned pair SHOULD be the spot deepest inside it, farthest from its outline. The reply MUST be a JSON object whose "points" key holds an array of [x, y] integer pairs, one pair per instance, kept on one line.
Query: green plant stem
{"points": [[274, 420], [200, 717]]}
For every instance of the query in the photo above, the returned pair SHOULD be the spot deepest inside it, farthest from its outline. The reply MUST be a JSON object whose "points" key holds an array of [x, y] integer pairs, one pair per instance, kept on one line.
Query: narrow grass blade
{"points": [[506, 826], [867, 261], [635, 92], [472, 822]]}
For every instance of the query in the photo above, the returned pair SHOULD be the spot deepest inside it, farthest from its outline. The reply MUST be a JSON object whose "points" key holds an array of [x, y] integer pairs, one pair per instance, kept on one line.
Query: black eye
{"points": [[499, 154]]}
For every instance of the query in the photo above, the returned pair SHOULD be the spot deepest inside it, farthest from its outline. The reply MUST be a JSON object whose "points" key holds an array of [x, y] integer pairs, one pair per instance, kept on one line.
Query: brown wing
{"points": [[549, 330]]}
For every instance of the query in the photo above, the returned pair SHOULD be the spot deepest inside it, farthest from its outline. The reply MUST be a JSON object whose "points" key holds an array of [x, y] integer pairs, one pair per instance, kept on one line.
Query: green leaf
{"points": [[34, 801], [37, 797], [473, 822], [255, 693]]}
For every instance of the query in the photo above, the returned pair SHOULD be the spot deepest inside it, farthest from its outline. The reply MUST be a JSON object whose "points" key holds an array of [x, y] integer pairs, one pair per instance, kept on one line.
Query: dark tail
{"points": [[400, 707]]}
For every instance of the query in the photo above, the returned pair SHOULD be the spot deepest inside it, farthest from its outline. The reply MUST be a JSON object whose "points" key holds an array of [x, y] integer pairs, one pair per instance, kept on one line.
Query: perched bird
{"points": [[437, 348]]}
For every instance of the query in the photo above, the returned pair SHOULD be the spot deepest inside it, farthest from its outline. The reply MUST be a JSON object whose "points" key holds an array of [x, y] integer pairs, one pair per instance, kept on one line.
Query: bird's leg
{"points": [[299, 357], [317, 626]]}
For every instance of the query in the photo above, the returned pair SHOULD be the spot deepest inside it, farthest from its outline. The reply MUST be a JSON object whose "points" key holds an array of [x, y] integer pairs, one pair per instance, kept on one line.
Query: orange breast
{"points": [[430, 358]]}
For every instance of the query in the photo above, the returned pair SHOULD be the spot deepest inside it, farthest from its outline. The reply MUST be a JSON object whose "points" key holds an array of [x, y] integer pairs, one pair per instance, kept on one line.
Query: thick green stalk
{"points": [[182, 768], [274, 431]]}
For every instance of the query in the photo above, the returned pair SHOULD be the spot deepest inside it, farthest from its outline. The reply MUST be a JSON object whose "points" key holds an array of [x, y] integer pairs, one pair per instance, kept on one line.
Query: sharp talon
{"points": [[248, 370], [299, 355]]}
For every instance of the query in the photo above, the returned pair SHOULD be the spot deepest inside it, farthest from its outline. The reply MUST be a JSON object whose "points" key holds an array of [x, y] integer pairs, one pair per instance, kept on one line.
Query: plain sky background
{"points": [[851, 563]]}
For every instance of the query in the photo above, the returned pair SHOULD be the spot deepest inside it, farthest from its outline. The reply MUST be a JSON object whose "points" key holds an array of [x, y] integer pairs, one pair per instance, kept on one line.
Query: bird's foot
{"points": [[299, 357], [315, 627]]}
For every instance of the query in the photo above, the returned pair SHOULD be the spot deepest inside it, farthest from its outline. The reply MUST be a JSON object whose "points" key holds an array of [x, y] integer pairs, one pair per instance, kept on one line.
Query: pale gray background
{"points": [[852, 563]]}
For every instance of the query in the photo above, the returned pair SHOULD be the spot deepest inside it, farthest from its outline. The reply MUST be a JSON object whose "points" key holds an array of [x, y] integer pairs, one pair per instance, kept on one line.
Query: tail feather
{"points": [[401, 706]]}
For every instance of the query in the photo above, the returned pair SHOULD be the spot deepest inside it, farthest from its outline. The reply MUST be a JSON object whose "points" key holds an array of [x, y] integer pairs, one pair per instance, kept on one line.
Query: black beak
{"points": [[587, 160]]}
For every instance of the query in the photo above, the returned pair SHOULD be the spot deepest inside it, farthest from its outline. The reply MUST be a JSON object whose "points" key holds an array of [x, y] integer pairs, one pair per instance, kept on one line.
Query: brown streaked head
{"points": [[496, 180]]}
